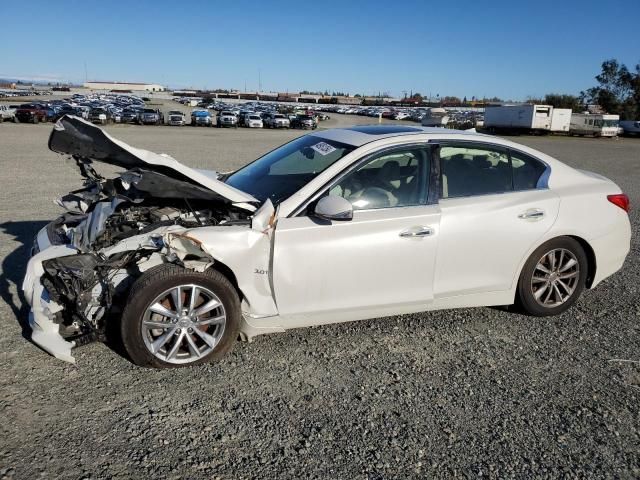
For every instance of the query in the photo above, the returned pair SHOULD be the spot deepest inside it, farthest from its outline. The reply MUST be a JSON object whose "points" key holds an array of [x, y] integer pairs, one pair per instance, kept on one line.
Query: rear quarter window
{"points": [[526, 171]]}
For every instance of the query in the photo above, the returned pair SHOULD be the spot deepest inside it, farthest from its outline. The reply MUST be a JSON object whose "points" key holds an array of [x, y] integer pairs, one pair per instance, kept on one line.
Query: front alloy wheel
{"points": [[183, 324], [176, 317]]}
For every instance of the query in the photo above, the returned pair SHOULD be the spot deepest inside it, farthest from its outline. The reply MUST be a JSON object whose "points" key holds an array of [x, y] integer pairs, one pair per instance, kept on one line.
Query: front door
{"points": [[379, 263]]}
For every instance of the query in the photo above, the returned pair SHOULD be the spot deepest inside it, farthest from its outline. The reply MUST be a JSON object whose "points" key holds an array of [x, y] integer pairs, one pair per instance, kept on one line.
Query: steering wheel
{"points": [[377, 197]]}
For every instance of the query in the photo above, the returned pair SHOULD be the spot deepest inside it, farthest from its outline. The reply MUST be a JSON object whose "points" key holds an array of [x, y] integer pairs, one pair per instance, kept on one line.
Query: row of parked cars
{"points": [[249, 119], [249, 115], [101, 109], [456, 118]]}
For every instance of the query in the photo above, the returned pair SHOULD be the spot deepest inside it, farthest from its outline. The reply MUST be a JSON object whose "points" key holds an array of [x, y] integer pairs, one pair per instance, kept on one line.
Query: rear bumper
{"points": [[611, 250]]}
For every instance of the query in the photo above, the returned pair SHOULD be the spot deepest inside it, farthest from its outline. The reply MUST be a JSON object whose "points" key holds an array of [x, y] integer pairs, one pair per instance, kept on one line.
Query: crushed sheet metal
{"points": [[184, 246], [264, 217]]}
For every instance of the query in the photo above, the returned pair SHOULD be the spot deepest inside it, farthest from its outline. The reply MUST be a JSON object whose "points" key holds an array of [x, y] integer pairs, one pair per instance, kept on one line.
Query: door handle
{"points": [[416, 232], [532, 214]]}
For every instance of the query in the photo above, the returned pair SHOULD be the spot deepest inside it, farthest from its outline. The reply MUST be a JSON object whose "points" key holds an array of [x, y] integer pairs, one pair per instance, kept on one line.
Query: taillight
{"points": [[620, 200]]}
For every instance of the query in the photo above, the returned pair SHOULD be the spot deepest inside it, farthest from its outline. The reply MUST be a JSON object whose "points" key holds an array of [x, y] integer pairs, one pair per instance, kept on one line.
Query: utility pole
{"points": [[86, 76], [259, 81]]}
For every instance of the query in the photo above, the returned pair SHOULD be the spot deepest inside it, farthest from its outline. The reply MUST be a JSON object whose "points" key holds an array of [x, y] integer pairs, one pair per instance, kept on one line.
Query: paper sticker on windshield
{"points": [[323, 148]]}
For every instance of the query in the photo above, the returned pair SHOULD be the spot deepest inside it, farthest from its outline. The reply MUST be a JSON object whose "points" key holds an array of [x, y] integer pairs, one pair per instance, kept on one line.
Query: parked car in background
{"points": [[99, 115], [67, 110], [151, 116], [51, 112], [334, 226], [201, 118], [31, 113], [630, 127], [176, 118], [227, 119], [276, 120], [253, 120], [7, 113], [130, 116], [304, 122], [83, 111], [242, 117]]}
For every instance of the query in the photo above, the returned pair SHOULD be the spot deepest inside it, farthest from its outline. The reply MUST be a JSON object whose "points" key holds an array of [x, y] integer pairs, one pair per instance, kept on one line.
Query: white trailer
{"points": [[598, 125], [560, 120], [522, 118]]}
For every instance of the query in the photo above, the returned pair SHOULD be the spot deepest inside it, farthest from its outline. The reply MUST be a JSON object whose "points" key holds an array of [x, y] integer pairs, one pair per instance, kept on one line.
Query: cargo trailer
{"points": [[518, 118], [560, 120]]}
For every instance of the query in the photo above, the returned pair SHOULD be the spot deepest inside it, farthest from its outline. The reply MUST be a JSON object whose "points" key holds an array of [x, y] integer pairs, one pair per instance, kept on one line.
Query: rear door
{"points": [[494, 207]]}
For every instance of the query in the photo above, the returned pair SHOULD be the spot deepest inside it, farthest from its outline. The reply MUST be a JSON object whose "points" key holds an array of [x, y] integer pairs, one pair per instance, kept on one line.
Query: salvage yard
{"points": [[470, 392]]}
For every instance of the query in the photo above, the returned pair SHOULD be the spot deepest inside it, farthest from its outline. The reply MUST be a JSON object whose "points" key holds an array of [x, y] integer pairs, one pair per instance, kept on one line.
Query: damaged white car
{"points": [[334, 226]]}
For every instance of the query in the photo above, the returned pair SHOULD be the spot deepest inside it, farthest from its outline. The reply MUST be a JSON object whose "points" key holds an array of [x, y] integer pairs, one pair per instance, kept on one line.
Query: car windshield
{"points": [[285, 170]]}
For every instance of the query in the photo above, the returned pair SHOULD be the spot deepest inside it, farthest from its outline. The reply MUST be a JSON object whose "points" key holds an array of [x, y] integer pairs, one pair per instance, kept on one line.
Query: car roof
{"points": [[359, 135]]}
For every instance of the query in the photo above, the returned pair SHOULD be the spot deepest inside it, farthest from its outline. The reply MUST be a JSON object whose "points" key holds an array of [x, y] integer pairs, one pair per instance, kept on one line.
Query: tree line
{"points": [[617, 91]]}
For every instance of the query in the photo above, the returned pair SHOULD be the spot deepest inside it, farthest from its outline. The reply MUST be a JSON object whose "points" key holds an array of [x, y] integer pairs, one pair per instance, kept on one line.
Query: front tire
{"points": [[553, 278], [175, 317]]}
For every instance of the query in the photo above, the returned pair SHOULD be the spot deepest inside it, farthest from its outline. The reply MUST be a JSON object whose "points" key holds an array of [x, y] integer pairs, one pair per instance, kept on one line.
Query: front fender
{"points": [[247, 253]]}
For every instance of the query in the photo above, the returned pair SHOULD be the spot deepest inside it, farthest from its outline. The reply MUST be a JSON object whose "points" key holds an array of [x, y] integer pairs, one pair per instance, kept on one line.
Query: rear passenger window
{"points": [[471, 170], [526, 171]]}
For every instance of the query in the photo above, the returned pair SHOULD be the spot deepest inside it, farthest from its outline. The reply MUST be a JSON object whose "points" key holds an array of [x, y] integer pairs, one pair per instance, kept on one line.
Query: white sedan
{"points": [[334, 226]]}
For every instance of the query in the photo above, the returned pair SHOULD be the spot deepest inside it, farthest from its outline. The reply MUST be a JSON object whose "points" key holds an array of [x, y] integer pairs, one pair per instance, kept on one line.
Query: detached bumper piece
{"points": [[45, 331]]}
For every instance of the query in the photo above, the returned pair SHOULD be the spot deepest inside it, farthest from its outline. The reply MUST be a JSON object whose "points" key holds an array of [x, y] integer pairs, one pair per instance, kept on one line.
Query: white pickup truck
{"points": [[7, 113]]}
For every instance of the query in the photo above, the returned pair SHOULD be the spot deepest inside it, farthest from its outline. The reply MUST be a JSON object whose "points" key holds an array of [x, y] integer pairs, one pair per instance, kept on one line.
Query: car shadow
{"points": [[14, 266]]}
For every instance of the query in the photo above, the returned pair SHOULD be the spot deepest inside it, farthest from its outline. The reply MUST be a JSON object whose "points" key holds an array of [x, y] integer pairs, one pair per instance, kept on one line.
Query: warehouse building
{"points": [[124, 86]]}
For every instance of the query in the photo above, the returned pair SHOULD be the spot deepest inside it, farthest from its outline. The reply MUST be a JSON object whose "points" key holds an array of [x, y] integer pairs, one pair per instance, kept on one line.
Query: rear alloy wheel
{"points": [[177, 317], [553, 278]]}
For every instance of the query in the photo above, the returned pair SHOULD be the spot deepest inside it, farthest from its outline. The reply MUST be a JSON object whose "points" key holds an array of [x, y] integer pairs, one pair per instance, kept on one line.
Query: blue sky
{"points": [[511, 49]]}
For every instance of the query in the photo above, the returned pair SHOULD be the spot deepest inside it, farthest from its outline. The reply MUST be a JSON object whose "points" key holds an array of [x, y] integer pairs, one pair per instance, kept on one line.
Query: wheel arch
{"points": [[229, 275], [588, 250], [591, 258]]}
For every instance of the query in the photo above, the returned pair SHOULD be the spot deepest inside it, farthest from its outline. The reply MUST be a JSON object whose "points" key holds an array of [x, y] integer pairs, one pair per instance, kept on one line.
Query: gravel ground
{"points": [[461, 393]]}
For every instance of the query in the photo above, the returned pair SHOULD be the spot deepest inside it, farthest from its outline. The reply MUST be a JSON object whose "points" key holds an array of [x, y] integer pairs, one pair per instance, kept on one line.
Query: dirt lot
{"points": [[468, 393]]}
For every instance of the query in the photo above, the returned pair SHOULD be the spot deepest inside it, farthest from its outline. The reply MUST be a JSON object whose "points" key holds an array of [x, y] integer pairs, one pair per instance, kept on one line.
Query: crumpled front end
{"points": [[73, 293], [115, 229]]}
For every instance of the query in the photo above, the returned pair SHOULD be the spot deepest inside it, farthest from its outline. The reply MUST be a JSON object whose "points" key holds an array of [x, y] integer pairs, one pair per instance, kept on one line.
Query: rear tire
{"points": [[553, 278], [149, 288]]}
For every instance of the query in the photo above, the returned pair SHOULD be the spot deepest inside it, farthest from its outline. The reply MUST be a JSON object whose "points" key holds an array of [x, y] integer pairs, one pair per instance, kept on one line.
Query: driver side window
{"points": [[392, 179]]}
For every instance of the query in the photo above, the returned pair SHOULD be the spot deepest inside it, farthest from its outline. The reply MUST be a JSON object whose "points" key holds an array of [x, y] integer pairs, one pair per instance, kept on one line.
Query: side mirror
{"points": [[334, 207]]}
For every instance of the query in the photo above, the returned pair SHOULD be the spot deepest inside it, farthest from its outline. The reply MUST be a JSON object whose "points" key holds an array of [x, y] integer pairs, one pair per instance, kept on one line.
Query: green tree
{"points": [[559, 100], [618, 90]]}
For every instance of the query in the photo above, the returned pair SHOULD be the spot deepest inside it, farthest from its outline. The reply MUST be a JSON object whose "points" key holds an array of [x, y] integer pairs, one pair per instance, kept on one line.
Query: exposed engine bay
{"points": [[114, 229]]}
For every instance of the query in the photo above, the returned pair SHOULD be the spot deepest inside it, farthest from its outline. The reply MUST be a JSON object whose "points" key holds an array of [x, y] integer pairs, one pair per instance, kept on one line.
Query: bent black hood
{"points": [[74, 136]]}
